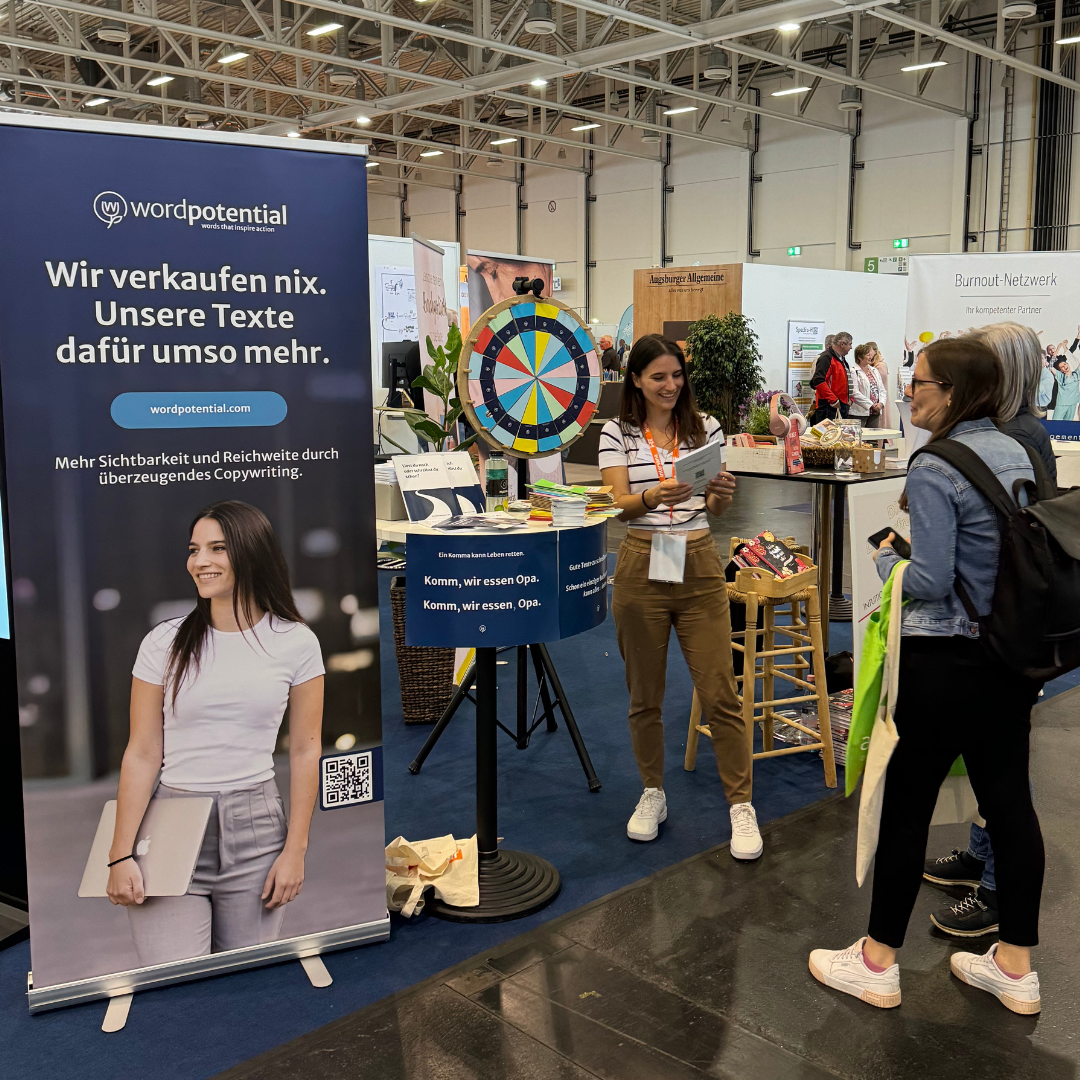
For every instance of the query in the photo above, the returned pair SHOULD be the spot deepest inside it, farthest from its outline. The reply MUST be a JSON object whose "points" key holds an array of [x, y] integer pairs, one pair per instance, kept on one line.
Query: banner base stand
{"points": [[201, 967], [117, 1013], [315, 970]]}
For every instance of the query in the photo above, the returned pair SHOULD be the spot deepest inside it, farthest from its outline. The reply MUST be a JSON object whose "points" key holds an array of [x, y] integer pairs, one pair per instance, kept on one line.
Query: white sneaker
{"points": [[745, 838], [846, 970], [1019, 995], [651, 810]]}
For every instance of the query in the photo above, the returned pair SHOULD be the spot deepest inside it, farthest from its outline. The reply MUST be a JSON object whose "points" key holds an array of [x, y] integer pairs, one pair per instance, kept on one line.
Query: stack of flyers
{"points": [[840, 706], [500, 522], [545, 495]]}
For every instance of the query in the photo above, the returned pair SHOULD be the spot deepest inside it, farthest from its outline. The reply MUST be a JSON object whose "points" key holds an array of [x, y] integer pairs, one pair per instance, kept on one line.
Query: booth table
{"points": [[828, 491]]}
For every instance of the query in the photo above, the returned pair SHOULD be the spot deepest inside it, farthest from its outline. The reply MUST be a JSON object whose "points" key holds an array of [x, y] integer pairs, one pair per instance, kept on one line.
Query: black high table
{"points": [[829, 490]]}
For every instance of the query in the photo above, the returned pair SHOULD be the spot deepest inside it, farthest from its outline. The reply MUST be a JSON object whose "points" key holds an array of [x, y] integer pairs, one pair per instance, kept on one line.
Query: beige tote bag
{"points": [[883, 740]]}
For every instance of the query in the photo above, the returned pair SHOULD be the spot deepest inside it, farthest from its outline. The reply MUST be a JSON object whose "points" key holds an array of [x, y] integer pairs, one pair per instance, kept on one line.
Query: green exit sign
{"points": [[793, 251], [901, 243]]}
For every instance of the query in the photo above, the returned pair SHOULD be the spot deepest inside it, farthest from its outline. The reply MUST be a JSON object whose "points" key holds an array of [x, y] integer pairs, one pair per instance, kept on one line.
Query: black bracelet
{"points": [[645, 502], [124, 859]]}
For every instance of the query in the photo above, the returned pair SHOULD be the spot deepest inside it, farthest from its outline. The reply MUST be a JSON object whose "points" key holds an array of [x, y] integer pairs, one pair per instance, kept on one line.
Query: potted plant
{"points": [[440, 378], [725, 370]]}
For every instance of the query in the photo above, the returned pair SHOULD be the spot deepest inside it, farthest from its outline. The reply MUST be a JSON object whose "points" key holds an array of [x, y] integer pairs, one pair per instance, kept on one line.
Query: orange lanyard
{"points": [[647, 433]]}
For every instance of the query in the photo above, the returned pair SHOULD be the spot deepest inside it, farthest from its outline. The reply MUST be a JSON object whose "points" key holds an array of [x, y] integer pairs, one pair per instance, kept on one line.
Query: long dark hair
{"points": [[632, 407], [262, 583], [974, 374]]}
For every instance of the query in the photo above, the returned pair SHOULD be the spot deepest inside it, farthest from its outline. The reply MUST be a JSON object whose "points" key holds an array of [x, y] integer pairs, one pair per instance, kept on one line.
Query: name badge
{"points": [[667, 557]]}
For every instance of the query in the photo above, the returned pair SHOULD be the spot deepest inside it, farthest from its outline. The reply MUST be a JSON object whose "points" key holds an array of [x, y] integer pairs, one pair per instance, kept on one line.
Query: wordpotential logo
{"points": [[110, 207]]}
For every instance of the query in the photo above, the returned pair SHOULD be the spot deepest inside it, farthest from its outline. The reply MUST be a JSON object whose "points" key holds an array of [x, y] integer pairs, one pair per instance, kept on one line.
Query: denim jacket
{"points": [[954, 531]]}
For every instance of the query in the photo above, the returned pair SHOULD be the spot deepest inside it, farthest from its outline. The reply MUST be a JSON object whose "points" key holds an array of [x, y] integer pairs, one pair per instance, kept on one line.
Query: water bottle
{"points": [[495, 476]]}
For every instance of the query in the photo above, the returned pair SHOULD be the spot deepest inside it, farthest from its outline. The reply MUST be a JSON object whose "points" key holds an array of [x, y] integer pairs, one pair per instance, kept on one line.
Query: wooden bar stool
{"points": [[799, 595]]}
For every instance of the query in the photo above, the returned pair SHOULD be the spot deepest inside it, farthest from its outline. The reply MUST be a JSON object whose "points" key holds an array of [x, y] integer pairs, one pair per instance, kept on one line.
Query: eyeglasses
{"points": [[916, 383]]}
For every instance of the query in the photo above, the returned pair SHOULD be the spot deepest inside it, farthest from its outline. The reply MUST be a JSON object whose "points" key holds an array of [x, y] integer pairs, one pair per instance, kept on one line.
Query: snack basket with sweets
{"points": [[820, 444]]}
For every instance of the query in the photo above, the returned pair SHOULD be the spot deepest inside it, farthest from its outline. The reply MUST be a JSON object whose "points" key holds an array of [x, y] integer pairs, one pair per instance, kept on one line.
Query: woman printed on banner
{"points": [[208, 694]]}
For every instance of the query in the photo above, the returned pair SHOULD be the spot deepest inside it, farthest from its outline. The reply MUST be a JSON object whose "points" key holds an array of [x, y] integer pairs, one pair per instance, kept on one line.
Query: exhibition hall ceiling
{"points": [[483, 87]]}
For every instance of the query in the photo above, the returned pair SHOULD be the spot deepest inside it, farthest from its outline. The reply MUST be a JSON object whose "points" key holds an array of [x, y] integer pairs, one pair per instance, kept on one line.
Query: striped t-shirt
{"points": [[630, 449]]}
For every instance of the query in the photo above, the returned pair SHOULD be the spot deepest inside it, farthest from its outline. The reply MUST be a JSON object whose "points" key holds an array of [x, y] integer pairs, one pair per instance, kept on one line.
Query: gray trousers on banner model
{"points": [[223, 908]]}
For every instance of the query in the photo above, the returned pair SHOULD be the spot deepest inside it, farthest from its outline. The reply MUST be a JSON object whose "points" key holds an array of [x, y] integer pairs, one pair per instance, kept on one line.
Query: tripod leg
{"points": [[522, 740], [447, 716], [568, 715], [545, 697]]}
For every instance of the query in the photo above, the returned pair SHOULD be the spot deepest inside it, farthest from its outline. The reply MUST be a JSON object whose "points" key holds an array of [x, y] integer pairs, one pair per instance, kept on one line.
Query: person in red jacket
{"points": [[832, 381]]}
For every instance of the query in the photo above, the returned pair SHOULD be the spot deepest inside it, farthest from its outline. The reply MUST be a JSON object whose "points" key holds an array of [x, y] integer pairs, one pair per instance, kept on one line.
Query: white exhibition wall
{"points": [[871, 307]]}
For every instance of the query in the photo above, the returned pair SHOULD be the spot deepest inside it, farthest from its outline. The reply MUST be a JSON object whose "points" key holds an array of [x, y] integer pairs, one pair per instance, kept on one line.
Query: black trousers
{"points": [[954, 700]]}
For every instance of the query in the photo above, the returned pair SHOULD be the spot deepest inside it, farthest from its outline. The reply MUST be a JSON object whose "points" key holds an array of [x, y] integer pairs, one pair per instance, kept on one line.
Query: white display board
{"points": [[389, 256], [870, 508], [805, 343], [870, 307], [395, 292], [951, 294]]}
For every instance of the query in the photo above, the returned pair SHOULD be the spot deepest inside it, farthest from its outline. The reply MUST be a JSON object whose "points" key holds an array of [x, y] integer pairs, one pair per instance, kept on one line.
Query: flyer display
{"points": [[806, 342], [187, 396]]}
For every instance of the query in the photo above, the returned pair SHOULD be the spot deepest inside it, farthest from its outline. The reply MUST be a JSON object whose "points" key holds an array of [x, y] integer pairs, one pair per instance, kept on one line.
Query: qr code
{"points": [[346, 780]]}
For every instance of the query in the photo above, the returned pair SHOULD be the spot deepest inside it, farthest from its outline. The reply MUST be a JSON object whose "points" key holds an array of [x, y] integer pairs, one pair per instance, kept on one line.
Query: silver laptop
{"points": [[166, 846]]}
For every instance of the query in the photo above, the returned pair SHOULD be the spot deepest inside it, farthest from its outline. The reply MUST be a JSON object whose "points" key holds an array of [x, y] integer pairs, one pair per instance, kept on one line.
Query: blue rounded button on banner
{"points": [[189, 409]]}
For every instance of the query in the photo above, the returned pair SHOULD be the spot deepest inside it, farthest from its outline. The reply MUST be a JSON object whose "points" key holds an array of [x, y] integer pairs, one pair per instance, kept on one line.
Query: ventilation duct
{"points": [[540, 19], [342, 76], [195, 113], [113, 29], [717, 66], [650, 116]]}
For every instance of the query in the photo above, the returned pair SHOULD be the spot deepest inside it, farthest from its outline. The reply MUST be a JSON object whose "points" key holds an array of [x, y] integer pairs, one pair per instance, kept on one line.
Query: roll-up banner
{"points": [[190, 511], [951, 294]]}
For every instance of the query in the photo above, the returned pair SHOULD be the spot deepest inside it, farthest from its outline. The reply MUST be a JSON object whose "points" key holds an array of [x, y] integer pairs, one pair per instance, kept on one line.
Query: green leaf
{"points": [[466, 443], [428, 429], [452, 415], [422, 382]]}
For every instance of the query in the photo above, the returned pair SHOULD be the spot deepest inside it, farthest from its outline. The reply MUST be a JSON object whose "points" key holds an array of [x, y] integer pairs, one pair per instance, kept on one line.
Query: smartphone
{"points": [[900, 545]]}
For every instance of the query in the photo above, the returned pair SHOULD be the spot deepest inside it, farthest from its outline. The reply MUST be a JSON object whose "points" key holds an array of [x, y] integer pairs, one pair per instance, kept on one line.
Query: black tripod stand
{"points": [[547, 679]]}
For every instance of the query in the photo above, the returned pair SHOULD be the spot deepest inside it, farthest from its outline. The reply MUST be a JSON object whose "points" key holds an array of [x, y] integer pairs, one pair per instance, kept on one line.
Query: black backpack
{"points": [[1033, 626]]}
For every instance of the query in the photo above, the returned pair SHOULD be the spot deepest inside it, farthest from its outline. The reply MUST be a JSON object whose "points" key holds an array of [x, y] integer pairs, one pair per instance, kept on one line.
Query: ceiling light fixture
{"points": [[790, 90], [928, 64], [326, 28], [516, 111], [680, 110], [1018, 9], [431, 153], [232, 58], [372, 165], [1067, 41], [159, 80], [788, 27], [362, 120], [584, 127], [292, 135], [95, 101], [502, 142], [538, 83]]}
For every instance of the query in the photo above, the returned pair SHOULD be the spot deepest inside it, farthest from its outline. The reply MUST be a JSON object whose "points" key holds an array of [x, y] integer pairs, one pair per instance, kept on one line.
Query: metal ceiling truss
{"points": [[445, 80]]}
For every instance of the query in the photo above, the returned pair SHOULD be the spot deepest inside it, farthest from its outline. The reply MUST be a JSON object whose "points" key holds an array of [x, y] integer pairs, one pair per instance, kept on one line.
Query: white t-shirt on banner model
{"points": [[221, 731]]}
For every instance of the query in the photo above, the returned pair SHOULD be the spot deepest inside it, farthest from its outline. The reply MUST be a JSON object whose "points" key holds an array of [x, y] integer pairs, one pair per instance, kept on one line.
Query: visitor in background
{"points": [[946, 676], [882, 368], [609, 359], [832, 381], [621, 350], [1021, 356], [868, 391], [668, 524]]}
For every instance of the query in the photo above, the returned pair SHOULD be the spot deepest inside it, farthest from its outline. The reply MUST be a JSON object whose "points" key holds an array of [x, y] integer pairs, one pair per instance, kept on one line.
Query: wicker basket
{"points": [[426, 673], [816, 456]]}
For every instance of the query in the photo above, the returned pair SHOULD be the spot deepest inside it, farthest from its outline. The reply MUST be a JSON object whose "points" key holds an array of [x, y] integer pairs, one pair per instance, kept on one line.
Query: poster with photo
{"points": [[951, 294], [491, 277], [190, 510], [806, 342]]}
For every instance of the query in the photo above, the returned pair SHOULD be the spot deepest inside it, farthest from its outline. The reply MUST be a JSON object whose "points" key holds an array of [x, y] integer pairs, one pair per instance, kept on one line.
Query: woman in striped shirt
{"points": [[669, 574]]}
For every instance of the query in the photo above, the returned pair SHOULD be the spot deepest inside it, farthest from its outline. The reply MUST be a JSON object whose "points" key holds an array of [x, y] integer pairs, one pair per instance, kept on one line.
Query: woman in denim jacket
{"points": [[953, 698]]}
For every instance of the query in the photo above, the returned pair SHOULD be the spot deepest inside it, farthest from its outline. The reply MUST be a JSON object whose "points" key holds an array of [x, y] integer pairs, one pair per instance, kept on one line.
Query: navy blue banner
{"points": [[497, 589], [183, 322]]}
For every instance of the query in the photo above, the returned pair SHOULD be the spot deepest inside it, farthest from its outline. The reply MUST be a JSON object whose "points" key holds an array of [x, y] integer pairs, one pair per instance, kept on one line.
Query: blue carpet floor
{"points": [[194, 1030]]}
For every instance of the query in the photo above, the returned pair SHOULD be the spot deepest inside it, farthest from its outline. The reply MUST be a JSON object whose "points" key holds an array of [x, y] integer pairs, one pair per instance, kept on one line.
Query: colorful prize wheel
{"points": [[529, 376]]}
